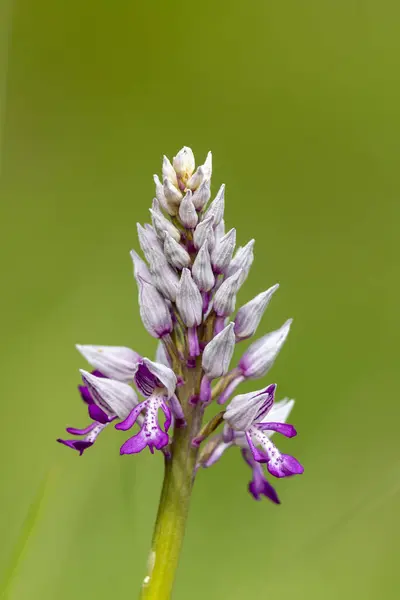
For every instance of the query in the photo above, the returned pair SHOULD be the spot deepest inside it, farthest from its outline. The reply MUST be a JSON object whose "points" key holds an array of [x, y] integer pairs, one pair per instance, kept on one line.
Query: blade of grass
{"points": [[28, 528]]}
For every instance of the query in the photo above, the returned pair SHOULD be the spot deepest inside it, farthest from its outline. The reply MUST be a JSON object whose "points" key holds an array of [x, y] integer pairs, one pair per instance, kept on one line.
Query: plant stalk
{"points": [[175, 499]]}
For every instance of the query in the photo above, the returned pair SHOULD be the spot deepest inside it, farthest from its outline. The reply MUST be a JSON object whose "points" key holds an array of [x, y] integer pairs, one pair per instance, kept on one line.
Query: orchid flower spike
{"points": [[188, 276]]}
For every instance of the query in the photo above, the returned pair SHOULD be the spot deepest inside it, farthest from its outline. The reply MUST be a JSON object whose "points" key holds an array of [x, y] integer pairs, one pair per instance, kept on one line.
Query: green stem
{"points": [[174, 502]]}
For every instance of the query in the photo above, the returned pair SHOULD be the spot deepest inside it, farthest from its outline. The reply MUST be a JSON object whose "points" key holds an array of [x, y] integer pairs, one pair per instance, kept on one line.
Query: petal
{"points": [[164, 374], [85, 431], [283, 428], [284, 465], [144, 379], [258, 455], [97, 414], [116, 362], [168, 415], [79, 445], [132, 417], [259, 486], [85, 394], [177, 411], [280, 411], [114, 397], [135, 444], [244, 409], [91, 433]]}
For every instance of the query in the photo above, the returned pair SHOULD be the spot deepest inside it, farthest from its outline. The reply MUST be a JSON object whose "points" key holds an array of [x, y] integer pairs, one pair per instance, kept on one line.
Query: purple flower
{"points": [[259, 485], [99, 417], [276, 413], [107, 400], [157, 382], [248, 413]]}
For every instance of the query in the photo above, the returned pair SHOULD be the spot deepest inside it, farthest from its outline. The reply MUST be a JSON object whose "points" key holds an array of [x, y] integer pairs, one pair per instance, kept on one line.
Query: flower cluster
{"points": [[187, 286]]}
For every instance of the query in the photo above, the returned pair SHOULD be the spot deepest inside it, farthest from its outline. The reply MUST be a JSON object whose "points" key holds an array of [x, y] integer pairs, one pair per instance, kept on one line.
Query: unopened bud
{"points": [[160, 194], [222, 254], [164, 277], [202, 195], [202, 272], [161, 225], [189, 300], [204, 233], [140, 269], [168, 172], [249, 315], [218, 353], [176, 255], [261, 355], [225, 298], [217, 206], [154, 311], [148, 241], [243, 259], [184, 163], [173, 197], [187, 212]]}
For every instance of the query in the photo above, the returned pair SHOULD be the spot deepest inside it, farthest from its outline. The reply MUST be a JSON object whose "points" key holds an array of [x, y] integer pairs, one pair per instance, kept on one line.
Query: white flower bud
{"points": [[160, 195], [154, 311], [219, 231], [207, 167], [173, 197], [225, 299], [217, 206], [196, 179], [243, 259], [164, 277], [202, 272], [176, 255], [184, 163], [261, 355], [222, 254], [203, 172], [187, 212], [218, 353], [161, 225], [148, 241], [189, 300], [116, 362], [204, 233], [249, 315], [140, 268], [202, 195], [114, 397], [168, 172]]}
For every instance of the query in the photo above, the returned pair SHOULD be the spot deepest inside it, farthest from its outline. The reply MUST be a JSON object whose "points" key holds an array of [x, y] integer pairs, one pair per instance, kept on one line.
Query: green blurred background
{"points": [[299, 102]]}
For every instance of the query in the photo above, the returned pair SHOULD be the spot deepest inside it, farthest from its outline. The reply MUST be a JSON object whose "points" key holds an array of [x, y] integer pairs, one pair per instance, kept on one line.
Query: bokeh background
{"points": [[299, 102]]}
